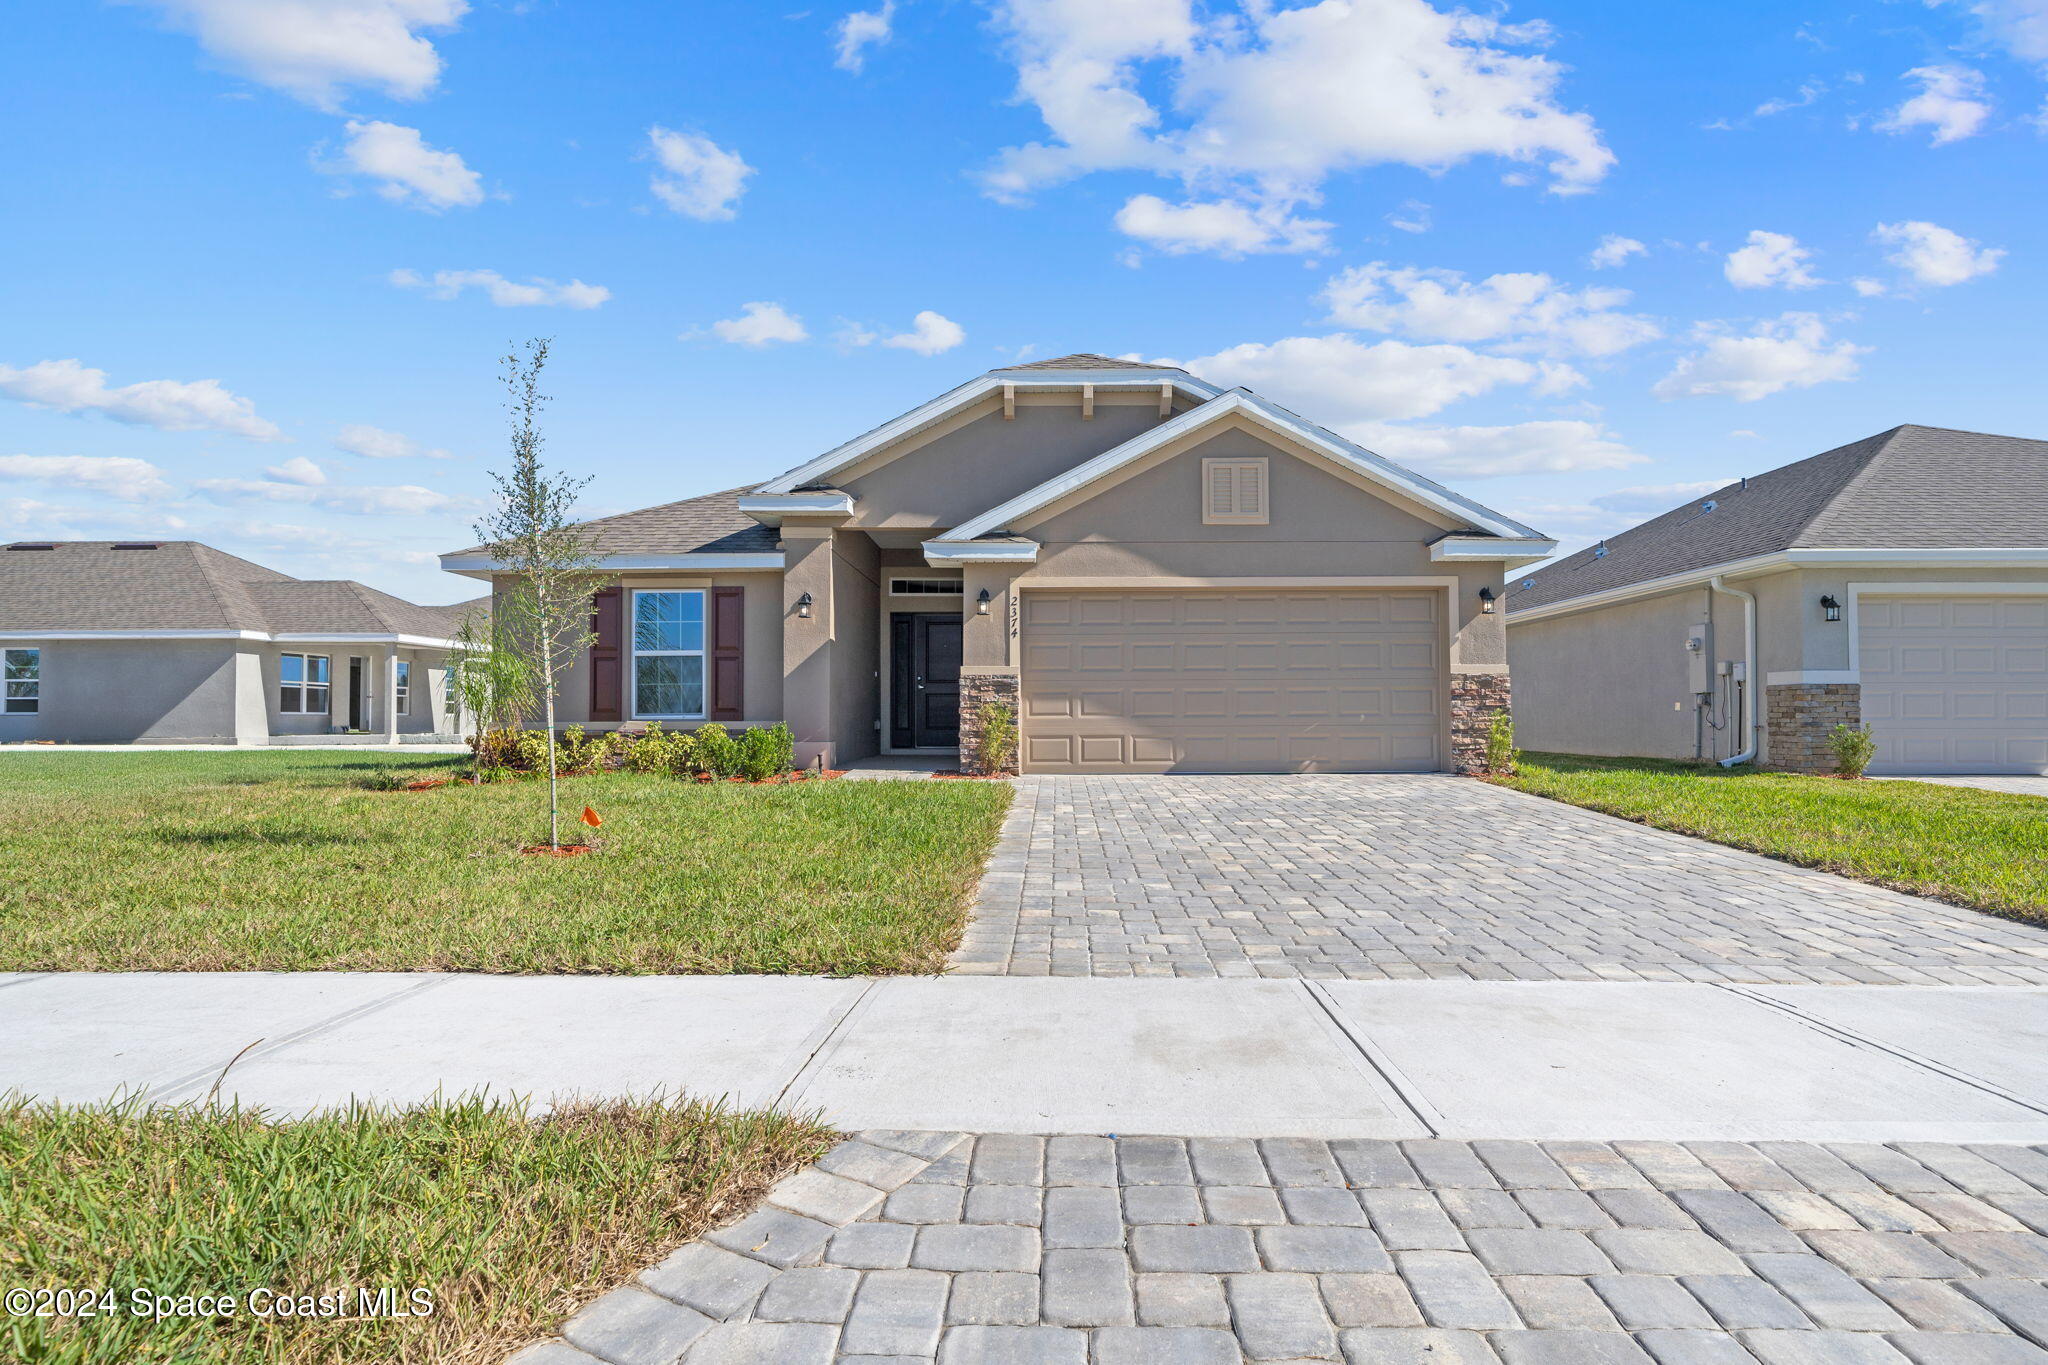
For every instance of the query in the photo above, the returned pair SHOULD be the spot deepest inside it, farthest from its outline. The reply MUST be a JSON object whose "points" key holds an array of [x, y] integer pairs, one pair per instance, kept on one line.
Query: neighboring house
{"points": [[1158, 574], [1901, 581], [157, 642]]}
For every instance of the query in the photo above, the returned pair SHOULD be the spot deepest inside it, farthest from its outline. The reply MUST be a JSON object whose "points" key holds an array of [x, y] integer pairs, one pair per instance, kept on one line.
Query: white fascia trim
{"points": [[955, 554], [1457, 549], [482, 566], [953, 400], [134, 635], [770, 508], [1994, 557], [322, 638], [1373, 467]]}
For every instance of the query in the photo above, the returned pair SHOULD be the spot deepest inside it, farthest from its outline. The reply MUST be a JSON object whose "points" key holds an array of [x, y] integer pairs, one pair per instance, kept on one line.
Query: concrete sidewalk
{"points": [[1262, 1058]]}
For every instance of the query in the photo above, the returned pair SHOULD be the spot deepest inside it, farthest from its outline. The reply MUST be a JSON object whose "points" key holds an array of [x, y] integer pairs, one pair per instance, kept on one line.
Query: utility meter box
{"points": [[1699, 656]]}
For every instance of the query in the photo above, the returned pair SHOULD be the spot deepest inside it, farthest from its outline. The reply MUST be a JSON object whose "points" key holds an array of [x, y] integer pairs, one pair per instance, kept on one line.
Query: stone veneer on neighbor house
{"points": [[1797, 718], [1476, 698], [976, 691]]}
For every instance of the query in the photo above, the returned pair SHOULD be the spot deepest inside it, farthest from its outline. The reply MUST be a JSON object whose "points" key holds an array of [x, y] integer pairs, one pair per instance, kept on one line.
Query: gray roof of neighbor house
{"points": [[184, 585], [710, 523], [1086, 360], [1907, 488]]}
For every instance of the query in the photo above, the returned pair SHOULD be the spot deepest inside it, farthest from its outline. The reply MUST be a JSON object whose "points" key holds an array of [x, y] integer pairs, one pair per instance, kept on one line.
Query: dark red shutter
{"points": [[728, 614], [607, 669]]}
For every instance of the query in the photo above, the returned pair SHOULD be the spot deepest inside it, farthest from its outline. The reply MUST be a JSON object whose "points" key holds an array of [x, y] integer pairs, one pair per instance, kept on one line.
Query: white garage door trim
{"points": [[2009, 749], [1442, 590]]}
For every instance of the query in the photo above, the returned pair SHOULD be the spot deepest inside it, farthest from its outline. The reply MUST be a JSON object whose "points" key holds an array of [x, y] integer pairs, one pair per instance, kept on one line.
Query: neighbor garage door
{"points": [[1232, 682], [1956, 684]]}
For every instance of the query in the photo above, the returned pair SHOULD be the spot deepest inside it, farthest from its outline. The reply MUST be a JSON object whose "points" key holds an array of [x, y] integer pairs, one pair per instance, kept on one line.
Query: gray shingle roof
{"points": [[709, 524], [1907, 488], [1086, 360], [183, 585]]}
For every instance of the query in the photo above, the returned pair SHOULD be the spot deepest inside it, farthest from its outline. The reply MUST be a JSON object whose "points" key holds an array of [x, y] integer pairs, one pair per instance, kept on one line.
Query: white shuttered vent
{"points": [[1234, 492]]}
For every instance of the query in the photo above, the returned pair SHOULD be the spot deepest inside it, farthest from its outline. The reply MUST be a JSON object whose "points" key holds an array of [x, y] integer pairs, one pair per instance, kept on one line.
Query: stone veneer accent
{"points": [[976, 691], [1476, 698], [1797, 718]]}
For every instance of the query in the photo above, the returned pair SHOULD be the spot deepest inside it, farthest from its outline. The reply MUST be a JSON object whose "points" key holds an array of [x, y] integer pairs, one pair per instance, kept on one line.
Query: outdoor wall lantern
{"points": [[1486, 600], [1831, 608], [803, 606], [981, 603]]}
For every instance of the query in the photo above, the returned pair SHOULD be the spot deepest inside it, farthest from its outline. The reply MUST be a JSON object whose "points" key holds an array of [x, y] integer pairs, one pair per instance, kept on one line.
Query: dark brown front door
{"points": [[924, 691]]}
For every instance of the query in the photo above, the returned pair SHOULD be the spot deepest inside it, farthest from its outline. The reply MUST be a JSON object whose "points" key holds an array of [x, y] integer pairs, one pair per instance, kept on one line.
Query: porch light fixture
{"points": [[803, 606], [981, 603], [1831, 608], [1486, 600]]}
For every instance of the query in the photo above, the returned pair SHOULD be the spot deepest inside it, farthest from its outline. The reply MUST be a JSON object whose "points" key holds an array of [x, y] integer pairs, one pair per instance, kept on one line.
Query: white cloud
{"points": [[130, 480], [312, 49], [166, 404], [2020, 26], [1809, 91], [54, 521], [1788, 352], [1228, 228], [407, 170], [1260, 103], [1934, 255], [860, 30], [702, 180], [929, 334], [1557, 447], [375, 443], [1441, 305], [1950, 102], [1615, 250], [1771, 258], [535, 292], [365, 500], [761, 324], [1340, 379], [299, 470], [1412, 216], [1867, 288]]}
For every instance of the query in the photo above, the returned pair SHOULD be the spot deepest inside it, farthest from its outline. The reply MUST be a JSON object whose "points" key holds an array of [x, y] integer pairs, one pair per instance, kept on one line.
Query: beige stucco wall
{"points": [[424, 714], [856, 646], [114, 691], [988, 460]]}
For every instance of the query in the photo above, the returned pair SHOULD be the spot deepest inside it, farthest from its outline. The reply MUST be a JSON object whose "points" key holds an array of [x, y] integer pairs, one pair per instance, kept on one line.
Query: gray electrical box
{"points": [[1699, 654]]}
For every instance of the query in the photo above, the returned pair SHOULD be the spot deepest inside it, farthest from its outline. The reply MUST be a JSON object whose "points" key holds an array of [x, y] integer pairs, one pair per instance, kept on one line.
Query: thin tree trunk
{"points": [[554, 808]]}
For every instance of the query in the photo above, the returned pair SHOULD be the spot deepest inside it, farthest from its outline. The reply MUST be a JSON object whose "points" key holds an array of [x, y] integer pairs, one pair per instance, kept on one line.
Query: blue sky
{"points": [[265, 253]]}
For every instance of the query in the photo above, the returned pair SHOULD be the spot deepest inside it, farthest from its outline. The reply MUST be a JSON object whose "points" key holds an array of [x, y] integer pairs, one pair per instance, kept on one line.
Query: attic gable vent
{"points": [[1234, 492]]}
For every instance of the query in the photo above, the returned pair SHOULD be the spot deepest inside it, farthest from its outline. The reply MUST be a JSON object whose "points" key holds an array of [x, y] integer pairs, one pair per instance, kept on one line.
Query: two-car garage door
{"points": [[1955, 684], [1324, 680]]}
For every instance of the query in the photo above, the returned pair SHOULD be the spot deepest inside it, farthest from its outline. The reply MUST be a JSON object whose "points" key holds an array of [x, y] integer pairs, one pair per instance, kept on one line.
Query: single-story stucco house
{"points": [[171, 641], [1159, 575], [1899, 582]]}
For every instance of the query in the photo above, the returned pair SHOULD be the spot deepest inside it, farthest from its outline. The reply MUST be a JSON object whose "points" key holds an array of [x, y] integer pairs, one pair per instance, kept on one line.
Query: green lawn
{"points": [[1977, 848], [509, 1223], [283, 861]]}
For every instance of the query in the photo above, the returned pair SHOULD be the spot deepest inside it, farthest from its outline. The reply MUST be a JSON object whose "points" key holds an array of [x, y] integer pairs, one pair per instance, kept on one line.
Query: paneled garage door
{"points": [[1329, 680], [1956, 684]]}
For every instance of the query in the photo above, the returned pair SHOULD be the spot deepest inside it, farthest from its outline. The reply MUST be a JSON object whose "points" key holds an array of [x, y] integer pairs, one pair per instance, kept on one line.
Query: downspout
{"points": [[1749, 730]]}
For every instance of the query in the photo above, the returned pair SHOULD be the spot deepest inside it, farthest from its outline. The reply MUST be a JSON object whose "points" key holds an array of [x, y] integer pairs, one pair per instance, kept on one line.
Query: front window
{"points": [[668, 655], [302, 684], [402, 679], [448, 702], [23, 670]]}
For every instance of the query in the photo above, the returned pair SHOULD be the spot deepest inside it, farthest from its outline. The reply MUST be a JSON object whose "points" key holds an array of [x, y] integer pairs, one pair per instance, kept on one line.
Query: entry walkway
{"points": [[1256, 1059]]}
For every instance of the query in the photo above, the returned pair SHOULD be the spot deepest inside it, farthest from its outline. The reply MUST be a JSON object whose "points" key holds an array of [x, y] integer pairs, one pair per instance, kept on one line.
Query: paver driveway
{"points": [[1013, 1250], [1378, 877]]}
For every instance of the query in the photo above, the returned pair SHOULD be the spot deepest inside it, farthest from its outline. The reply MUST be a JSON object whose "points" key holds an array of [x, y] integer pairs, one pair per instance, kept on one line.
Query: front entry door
{"points": [[924, 690]]}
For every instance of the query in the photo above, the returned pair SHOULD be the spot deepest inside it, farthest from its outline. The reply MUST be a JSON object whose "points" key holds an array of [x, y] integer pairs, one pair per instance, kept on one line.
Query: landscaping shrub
{"points": [[1500, 745], [715, 751], [657, 751], [1854, 748], [577, 753], [766, 753], [519, 750], [995, 749]]}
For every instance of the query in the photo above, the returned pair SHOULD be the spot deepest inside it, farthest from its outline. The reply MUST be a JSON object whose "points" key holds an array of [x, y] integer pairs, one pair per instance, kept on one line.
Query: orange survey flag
{"points": [[590, 818]]}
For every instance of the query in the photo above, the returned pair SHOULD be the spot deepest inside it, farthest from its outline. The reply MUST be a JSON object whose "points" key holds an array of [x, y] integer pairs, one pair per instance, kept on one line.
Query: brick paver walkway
{"points": [[1431, 876], [907, 1247]]}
